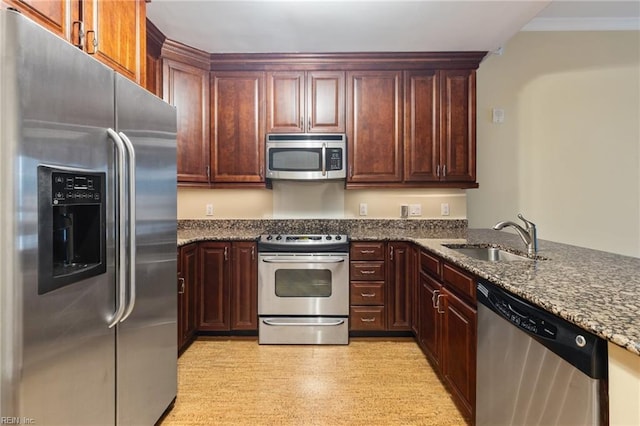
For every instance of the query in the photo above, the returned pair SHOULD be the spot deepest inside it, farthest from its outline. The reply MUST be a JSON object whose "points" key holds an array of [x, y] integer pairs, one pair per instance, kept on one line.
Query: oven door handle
{"points": [[303, 260], [293, 322]]}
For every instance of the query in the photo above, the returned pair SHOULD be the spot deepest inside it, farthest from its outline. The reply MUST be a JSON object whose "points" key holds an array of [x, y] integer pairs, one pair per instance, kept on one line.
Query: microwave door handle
{"points": [[324, 159]]}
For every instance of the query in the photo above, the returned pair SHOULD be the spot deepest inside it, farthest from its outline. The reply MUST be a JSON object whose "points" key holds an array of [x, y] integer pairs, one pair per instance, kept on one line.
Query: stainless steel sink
{"points": [[490, 254]]}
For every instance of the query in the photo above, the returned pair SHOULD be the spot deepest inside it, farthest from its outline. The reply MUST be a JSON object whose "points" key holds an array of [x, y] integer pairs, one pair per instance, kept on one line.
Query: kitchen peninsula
{"points": [[598, 291]]}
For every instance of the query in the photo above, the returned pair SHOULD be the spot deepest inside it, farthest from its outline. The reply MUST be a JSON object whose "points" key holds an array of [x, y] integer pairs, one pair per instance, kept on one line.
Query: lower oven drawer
{"points": [[367, 318], [303, 331]]}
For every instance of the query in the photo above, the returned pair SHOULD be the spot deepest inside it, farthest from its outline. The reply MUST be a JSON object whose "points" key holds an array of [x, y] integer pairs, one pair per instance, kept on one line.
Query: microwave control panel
{"points": [[334, 158]]}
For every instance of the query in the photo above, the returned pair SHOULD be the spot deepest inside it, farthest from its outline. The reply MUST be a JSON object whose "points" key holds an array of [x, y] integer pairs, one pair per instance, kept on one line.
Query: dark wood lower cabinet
{"points": [[430, 324], [459, 350], [399, 277], [244, 286], [228, 286], [447, 327], [215, 283], [187, 287]]}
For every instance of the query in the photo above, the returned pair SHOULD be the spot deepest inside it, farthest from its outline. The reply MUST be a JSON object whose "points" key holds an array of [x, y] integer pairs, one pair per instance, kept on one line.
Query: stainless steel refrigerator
{"points": [[88, 238]]}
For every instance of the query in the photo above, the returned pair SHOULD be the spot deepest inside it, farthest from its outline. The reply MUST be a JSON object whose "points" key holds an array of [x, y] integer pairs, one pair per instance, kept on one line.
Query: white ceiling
{"points": [[268, 26]]}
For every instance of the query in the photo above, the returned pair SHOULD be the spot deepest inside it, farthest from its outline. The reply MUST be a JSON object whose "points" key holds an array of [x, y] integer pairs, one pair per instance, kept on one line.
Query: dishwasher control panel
{"points": [[523, 319]]}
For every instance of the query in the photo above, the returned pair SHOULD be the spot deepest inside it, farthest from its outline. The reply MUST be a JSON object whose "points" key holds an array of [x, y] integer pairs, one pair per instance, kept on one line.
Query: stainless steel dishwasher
{"points": [[535, 368]]}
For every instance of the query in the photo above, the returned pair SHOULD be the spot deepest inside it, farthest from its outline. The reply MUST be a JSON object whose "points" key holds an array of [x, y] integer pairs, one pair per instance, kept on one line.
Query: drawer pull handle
{"points": [[367, 251], [367, 272], [367, 319], [368, 294]]}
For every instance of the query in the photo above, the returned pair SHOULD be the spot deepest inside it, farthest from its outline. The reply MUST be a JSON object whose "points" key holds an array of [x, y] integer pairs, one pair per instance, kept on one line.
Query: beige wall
{"points": [[624, 387], [567, 154], [293, 200]]}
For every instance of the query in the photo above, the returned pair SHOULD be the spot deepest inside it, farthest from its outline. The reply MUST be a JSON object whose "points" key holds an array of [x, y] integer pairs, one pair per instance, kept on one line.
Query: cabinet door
{"points": [[285, 94], [398, 285], [237, 123], [215, 273], [422, 144], [244, 287], [374, 126], [458, 125], [459, 350], [115, 33], [325, 101], [414, 286], [187, 308], [187, 88], [430, 320], [51, 14]]}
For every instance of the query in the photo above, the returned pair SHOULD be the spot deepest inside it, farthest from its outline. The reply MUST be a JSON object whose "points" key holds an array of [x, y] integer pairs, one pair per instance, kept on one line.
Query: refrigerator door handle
{"points": [[121, 221], [131, 176]]}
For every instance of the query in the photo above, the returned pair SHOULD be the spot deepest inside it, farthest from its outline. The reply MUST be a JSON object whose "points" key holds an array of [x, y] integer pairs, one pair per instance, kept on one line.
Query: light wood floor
{"points": [[368, 382]]}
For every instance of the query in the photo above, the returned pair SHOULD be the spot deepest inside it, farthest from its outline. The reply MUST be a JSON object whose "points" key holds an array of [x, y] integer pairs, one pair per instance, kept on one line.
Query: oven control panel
{"points": [[308, 242]]}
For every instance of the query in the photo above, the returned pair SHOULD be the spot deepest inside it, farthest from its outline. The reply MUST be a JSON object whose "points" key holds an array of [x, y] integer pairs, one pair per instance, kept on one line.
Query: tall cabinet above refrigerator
{"points": [[88, 237]]}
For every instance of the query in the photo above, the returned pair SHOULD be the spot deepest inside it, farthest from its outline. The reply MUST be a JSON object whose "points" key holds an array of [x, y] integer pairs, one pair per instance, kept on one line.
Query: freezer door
{"points": [[147, 337], [58, 354]]}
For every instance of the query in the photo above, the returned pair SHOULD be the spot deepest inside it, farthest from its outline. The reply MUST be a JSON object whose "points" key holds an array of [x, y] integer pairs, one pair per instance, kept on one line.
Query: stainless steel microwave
{"points": [[304, 156]]}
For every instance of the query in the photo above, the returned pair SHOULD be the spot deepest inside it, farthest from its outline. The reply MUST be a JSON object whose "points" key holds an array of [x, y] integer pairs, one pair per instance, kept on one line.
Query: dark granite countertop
{"points": [[596, 290]]}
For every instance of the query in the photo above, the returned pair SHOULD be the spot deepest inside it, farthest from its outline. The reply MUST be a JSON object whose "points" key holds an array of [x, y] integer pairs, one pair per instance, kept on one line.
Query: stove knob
{"points": [[328, 237], [338, 237], [269, 237], [279, 237]]}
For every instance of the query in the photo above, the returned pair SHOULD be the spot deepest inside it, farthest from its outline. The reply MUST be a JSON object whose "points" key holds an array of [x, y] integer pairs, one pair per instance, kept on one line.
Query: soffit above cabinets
{"points": [[311, 26]]}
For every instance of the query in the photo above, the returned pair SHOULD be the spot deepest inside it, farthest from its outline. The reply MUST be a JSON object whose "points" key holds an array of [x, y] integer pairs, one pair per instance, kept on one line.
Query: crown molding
{"points": [[583, 24]]}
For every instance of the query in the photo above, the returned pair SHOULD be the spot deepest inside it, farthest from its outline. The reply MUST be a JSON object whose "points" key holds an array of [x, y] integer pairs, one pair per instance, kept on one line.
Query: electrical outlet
{"points": [[415, 209], [209, 210], [444, 209], [363, 209]]}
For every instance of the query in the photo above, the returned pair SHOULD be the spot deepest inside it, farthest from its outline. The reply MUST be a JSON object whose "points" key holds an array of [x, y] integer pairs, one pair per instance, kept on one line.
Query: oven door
{"points": [[303, 284]]}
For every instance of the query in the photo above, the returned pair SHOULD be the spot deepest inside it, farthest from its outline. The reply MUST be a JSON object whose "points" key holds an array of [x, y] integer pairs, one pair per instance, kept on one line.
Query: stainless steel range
{"points": [[303, 289]]}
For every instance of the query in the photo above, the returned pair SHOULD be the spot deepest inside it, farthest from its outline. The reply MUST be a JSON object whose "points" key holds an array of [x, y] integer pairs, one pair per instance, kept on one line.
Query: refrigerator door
{"points": [[58, 354], [147, 336]]}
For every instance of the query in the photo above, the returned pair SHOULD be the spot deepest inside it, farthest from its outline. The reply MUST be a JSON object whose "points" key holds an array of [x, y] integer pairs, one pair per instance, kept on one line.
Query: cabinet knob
{"points": [[367, 319], [181, 281], [368, 294]]}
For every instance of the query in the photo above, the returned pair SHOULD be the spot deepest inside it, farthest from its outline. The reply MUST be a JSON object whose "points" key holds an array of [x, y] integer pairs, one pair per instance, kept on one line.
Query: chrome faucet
{"points": [[528, 233]]}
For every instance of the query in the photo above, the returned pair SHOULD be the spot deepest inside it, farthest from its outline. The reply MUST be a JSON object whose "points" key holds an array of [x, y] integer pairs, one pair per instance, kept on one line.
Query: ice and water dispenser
{"points": [[71, 226]]}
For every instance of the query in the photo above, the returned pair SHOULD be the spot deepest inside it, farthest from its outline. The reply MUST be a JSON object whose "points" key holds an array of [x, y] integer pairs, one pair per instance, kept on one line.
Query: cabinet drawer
{"points": [[465, 284], [367, 251], [367, 318], [367, 271], [430, 264], [367, 293]]}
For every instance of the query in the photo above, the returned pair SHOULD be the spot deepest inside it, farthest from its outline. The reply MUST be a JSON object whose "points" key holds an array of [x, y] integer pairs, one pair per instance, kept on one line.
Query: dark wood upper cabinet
{"points": [[458, 125], [51, 14], [111, 31], [115, 34], [374, 126], [305, 101], [440, 127], [187, 88], [421, 138], [237, 126]]}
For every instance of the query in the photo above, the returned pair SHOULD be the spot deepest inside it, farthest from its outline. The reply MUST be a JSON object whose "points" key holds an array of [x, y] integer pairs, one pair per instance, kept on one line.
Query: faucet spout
{"points": [[528, 233]]}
